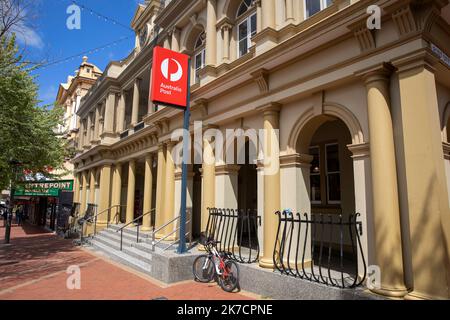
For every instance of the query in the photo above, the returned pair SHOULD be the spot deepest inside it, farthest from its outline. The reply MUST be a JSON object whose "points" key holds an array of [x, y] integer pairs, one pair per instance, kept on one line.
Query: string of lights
{"points": [[101, 16], [81, 54]]}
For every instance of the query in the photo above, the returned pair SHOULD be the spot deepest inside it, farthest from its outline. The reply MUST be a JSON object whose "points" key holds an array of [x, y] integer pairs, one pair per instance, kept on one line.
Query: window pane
{"points": [[242, 30], [253, 24], [315, 164], [315, 187], [312, 7], [243, 47], [332, 158], [328, 3], [198, 61], [334, 187]]}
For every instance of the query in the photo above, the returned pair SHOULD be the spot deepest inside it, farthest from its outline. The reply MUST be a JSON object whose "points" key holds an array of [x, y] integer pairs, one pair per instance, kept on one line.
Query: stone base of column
{"points": [[146, 228], [266, 263], [415, 295], [393, 293]]}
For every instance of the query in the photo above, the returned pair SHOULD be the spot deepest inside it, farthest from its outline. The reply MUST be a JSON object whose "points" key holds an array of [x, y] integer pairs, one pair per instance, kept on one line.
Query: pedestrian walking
{"points": [[19, 215]]}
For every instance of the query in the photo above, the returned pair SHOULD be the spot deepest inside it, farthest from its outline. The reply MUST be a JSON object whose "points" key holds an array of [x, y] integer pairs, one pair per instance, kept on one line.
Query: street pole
{"points": [[186, 151], [9, 215]]}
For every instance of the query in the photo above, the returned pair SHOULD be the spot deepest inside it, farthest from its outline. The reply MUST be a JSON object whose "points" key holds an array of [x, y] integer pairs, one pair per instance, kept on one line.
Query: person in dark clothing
{"points": [[19, 215]]}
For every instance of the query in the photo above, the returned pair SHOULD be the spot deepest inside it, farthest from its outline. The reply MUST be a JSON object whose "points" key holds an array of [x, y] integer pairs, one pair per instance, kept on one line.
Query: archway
{"points": [[326, 174]]}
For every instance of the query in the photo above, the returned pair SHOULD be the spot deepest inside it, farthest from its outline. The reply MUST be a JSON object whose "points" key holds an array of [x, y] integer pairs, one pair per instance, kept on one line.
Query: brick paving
{"points": [[34, 267]]}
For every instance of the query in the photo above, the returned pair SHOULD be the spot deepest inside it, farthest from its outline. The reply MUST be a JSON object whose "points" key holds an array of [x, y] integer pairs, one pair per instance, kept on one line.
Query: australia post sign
{"points": [[169, 77]]}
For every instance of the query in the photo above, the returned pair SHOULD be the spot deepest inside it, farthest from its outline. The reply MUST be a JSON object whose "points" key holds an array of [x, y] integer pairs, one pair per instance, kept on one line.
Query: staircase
{"points": [[135, 255]]}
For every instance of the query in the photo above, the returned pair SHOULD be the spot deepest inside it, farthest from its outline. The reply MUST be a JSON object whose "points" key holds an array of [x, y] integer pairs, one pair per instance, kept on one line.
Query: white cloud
{"points": [[27, 36]]}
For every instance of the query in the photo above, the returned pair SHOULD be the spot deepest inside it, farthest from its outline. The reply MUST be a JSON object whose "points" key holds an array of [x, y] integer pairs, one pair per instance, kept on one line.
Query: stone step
{"points": [[130, 231], [126, 235], [144, 244], [121, 257], [135, 252]]}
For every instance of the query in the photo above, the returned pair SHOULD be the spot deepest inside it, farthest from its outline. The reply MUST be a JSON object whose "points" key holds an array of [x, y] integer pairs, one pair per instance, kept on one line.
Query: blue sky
{"points": [[50, 39]]}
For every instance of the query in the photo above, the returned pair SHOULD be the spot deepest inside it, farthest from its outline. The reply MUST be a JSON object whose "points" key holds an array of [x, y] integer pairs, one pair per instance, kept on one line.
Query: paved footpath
{"points": [[34, 267]]}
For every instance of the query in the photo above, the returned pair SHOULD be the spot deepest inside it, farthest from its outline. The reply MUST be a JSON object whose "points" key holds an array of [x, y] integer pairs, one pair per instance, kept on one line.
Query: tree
{"points": [[27, 131]]}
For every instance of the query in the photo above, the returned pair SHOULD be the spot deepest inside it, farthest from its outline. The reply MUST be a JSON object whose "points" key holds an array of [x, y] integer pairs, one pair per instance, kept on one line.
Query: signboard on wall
{"points": [[43, 188], [170, 73]]}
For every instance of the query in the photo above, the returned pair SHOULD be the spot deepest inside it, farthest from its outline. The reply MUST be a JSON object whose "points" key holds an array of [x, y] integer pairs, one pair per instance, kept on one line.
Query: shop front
{"points": [[45, 202]]}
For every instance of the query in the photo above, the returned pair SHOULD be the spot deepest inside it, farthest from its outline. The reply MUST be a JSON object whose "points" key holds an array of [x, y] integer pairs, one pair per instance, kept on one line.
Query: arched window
{"points": [[199, 55], [246, 26]]}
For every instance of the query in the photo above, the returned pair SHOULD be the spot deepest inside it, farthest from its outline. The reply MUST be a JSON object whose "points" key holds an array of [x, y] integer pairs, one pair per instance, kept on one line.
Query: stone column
{"points": [[169, 204], [226, 186], [363, 201], [167, 42], [258, 16], [289, 11], [109, 114], [226, 42], [105, 191], [160, 185], [96, 136], [148, 191], [87, 142], [84, 177], [116, 194], [175, 39], [422, 166], [131, 191], [208, 182], [120, 125], [268, 14], [384, 183], [136, 97], [211, 34], [271, 181], [76, 187], [92, 183]]}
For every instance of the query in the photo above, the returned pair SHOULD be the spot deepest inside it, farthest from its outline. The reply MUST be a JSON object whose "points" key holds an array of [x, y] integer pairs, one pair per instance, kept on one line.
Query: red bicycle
{"points": [[216, 265]]}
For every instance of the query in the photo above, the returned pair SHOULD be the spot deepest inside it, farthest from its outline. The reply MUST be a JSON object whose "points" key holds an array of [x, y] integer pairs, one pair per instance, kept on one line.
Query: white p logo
{"points": [[174, 77]]}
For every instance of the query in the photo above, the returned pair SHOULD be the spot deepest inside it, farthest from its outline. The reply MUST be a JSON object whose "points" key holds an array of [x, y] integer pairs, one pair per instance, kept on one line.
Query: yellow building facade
{"points": [[361, 115]]}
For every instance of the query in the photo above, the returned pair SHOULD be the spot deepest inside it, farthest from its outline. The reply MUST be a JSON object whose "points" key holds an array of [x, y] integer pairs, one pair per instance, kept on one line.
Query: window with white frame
{"points": [[315, 175], [246, 26], [333, 173], [314, 6], [325, 174], [199, 55]]}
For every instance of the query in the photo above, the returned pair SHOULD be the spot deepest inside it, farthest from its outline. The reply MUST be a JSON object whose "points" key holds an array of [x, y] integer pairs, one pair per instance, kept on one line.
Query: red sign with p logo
{"points": [[169, 77]]}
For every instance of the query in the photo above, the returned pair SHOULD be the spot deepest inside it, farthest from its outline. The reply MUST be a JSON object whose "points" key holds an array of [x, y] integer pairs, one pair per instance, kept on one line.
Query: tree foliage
{"points": [[27, 131]]}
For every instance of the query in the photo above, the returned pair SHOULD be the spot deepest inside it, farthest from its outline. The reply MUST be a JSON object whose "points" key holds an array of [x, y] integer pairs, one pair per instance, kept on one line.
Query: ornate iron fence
{"points": [[237, 231], [320, 248]]}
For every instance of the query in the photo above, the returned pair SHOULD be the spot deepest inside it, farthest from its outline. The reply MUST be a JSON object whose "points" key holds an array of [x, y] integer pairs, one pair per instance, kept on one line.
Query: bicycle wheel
{"points": [[229, 280], [203, 268]]}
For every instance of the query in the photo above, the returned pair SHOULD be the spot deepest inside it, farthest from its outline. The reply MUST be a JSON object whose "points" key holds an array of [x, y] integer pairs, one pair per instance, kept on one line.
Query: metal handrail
{"points": [[154, 242], [95, 218], [117, 213], [133, 221]]}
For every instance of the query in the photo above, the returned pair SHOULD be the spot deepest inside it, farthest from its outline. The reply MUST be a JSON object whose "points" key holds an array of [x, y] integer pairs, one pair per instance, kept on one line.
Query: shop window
{"points": [[314, 6]]}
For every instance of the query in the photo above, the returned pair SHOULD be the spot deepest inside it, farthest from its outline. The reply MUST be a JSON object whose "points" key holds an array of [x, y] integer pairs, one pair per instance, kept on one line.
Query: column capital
{"points": [[227, 169], [421, 59], [270, 108], [361, 150], [295, 160], [378, 72]]}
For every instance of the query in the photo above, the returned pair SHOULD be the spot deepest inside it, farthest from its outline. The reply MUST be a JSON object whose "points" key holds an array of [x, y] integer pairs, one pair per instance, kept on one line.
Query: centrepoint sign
{"points": [[169, 77]]}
